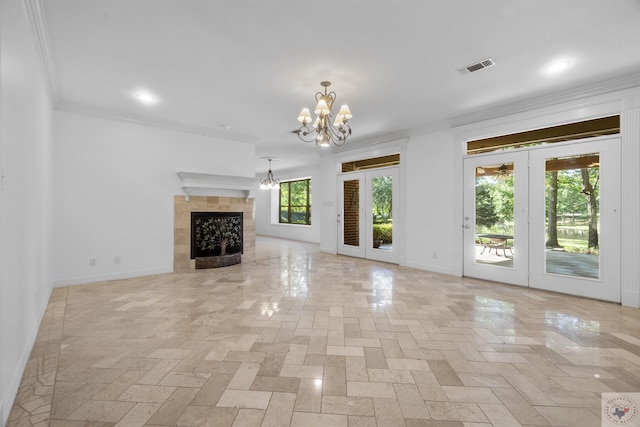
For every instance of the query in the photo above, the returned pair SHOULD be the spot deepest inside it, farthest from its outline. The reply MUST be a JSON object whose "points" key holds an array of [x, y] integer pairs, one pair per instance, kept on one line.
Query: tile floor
{"points": [[303, 338]]}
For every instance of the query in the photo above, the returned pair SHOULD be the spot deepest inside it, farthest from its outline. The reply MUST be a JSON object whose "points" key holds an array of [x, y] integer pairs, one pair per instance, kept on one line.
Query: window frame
{"points": [[288, 206]]}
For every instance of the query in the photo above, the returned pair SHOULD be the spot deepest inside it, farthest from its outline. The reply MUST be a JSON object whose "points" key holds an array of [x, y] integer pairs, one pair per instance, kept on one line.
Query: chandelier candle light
{"points": [[269, 182], [323, 132]]}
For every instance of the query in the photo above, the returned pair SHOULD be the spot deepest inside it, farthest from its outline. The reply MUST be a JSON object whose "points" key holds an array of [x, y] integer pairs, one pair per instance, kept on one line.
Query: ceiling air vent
{"points": [[485, 63]]}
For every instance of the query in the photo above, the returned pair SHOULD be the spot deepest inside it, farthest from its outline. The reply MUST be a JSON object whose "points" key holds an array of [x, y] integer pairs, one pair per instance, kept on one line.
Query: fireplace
{"points": [[216, 238], [182, 259]]}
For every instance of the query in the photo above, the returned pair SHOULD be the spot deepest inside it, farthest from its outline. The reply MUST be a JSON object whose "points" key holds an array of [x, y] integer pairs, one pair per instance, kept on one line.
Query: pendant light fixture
{"points": [[269, 183], [323, 132]]}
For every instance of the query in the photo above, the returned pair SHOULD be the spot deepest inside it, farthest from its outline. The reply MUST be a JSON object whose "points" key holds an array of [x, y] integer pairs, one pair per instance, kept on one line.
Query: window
{"points": [[295, 202], [375, 162], [560, 133]]}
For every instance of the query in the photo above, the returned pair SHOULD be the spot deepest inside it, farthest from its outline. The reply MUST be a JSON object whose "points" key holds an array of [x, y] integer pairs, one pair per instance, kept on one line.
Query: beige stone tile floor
{"points": [[303, 338]]}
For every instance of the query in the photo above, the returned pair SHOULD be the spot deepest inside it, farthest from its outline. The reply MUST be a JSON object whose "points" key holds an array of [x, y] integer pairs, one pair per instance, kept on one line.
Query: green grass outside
{"points": [[569, 245]]}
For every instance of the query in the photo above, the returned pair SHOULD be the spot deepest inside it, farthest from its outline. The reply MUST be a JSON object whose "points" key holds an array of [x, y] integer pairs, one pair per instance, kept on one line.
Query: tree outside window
{"points": [[295, 202]]}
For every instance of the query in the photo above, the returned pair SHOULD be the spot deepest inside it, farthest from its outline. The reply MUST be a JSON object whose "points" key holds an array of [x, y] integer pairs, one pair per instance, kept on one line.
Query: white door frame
{"points": [[365, 247], [531, 210], [518, 274], [384, 255], [607, 286], [351, 250]]}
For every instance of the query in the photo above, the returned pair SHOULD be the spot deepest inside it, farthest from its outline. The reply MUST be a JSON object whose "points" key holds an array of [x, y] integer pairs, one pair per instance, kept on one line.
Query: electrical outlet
{"points": [[92, 262], [117, 259], [435, 255]]}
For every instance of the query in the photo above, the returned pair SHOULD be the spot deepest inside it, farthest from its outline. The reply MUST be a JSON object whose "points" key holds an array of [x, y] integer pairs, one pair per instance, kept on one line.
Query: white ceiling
{"points": [[252, 65]]}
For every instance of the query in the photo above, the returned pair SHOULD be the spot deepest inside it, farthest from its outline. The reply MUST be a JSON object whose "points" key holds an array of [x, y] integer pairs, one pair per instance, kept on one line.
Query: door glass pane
{"points": [[351, 214], [494, 220], [382, 208], [572, 216]]}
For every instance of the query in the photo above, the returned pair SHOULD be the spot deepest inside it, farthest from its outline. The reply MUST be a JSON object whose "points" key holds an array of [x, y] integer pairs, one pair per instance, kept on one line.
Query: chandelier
{"points": [[269, 182], [323, 132]]}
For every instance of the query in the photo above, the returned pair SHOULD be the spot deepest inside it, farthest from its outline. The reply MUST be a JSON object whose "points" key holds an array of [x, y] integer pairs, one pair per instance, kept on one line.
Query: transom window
{"points": [[550, 135], [295, 202]]}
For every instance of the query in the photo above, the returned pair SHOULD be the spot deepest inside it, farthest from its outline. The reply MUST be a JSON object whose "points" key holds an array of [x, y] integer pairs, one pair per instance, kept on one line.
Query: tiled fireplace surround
{"points": [[182, 225]]}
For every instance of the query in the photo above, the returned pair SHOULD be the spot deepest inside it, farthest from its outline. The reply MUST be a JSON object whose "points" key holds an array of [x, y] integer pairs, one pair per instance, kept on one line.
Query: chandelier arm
{"points": [[332, 96], [304, 131], [345, 133], [338, 136]]}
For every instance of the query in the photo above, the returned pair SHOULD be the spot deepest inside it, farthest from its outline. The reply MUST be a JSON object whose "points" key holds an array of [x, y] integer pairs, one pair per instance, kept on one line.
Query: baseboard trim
{"points": [[12, 392], [329, 250], [630, 298], [432, 268], [107, 277]]}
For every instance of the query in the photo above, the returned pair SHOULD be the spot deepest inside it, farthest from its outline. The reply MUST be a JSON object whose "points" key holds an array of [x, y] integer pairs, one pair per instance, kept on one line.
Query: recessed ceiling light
{"points": [[558, 66], [145, 97]]}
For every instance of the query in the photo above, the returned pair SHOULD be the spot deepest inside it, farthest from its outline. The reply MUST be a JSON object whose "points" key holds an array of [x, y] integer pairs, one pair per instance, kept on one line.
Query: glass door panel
{"points": [[382, 213], [494, 214], [495, 217], [572, 220], [575, 221], [351, 212], [382, 204]]}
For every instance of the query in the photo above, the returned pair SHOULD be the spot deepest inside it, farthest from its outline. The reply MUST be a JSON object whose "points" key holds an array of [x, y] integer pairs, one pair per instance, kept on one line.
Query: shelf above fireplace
{"points": [[211, 184]]}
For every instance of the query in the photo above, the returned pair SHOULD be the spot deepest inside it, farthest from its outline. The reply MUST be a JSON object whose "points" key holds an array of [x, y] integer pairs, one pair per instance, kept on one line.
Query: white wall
{"points": [[267, 208], [115, 183], [329, 205], [429, 212], [25, 198]]}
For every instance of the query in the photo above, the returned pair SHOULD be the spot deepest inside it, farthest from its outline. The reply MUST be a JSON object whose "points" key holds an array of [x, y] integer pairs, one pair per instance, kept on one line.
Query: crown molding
{"points": [[296, 171], [605, 87], [90, 110], [34, 10]]}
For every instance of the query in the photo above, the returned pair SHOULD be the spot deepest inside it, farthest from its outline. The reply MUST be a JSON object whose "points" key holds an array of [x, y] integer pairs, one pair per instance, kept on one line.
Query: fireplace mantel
{"points": [[211, 183]]}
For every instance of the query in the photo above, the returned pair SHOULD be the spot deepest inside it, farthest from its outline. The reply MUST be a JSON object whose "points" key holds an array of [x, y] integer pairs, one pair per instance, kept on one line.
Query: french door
{"points": [[584, 257], [547, 218], [496, 239], [368, 203]]}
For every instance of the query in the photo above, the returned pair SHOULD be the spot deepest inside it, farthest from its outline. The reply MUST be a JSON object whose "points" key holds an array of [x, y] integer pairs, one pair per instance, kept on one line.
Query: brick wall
{"points": [[351, 217]]}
